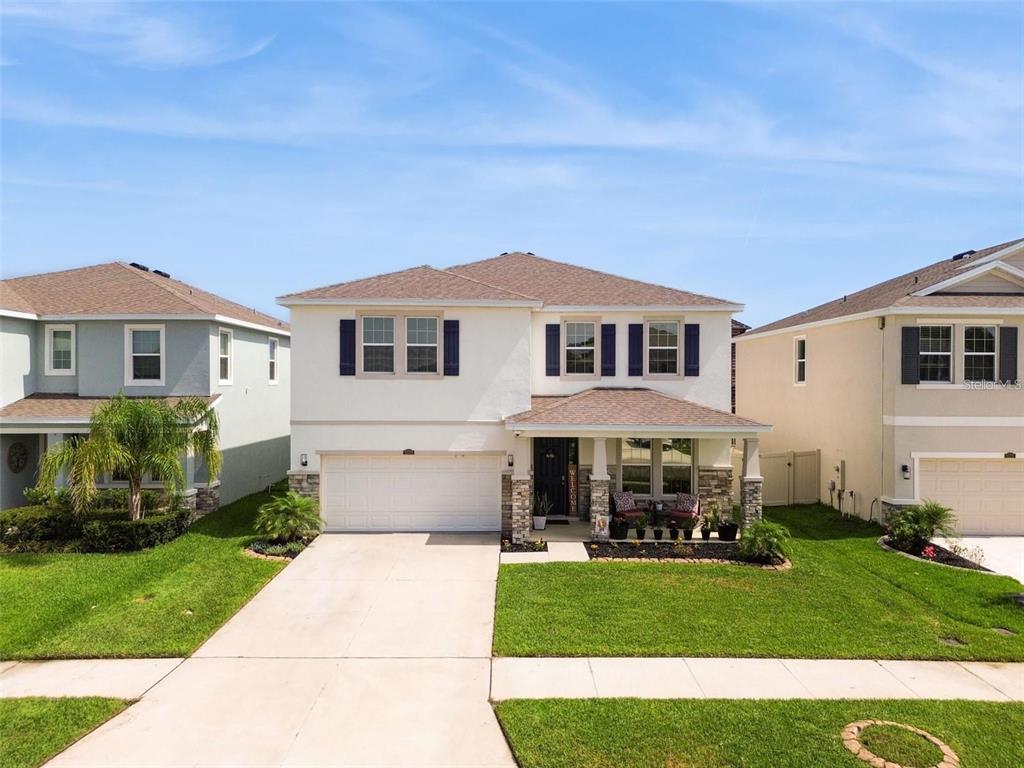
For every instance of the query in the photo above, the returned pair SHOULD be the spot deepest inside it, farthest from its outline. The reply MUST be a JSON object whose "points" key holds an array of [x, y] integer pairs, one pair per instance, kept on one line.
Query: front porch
{"points": [[573, 454]]}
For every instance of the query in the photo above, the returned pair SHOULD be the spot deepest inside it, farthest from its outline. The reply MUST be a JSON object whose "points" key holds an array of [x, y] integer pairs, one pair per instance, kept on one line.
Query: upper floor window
{"points": [[936, 353], [378, 345], [420, 344], [663, 347], [580, 349], [144, 355], [980, 353], [676, 466], [272, 354], [800, 360], [60, 350], [636, 465], [225, 352]]}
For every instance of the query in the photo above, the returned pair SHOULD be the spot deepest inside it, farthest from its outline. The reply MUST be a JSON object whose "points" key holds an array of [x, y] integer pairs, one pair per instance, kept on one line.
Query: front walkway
{"points": [[709, 678], [368, 650]]}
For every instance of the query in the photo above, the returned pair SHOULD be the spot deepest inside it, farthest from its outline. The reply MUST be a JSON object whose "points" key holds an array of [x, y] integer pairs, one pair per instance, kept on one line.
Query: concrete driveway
{"points": [[1003, 554], [368, 650]]}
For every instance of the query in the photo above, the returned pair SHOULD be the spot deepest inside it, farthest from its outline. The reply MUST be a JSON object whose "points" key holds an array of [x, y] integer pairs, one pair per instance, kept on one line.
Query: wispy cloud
{"points": [[130, 34]]}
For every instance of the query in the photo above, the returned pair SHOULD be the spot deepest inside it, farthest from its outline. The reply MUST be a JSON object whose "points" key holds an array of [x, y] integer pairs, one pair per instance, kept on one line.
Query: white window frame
{"points": [[678, 347], [649, 464], [596, 322], [662, 464], [396, 324], [994, 354], [48, 367], [128, 356], [273, 360], [438, 330], [952, 349], [230, 356], [797, 381]]}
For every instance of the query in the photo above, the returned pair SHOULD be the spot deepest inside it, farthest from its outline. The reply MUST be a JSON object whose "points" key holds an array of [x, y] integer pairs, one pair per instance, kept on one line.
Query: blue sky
{"points": [[774, 154]]}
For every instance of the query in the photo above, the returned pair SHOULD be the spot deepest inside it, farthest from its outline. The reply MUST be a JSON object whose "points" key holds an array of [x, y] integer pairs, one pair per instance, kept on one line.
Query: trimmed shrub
{"points": [[912, 528], [290, 549], [290, 517], [764, 542], [130, 535], [35, 523]]}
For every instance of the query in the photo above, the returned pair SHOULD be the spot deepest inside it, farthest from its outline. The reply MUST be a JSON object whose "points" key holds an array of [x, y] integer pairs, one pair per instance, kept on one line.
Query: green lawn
{"points": [[844, 598], [33, 730], [159, 602], [634, 733]]}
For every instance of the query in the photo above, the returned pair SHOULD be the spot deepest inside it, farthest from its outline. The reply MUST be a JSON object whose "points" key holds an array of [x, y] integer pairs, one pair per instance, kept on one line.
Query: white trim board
{"points": [[144, 318], [977, 270], [987, 422]]}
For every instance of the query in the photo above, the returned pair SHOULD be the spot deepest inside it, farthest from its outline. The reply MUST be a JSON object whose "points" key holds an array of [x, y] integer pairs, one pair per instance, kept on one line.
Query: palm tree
{"points": [[132, 437]]}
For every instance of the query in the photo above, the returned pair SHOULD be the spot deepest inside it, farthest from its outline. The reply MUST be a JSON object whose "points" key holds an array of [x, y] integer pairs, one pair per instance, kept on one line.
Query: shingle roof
{"points": [[625, 407], [509, 277], [897, 292], [58, 406], [560, 284], [418, 283], [119, 289]]}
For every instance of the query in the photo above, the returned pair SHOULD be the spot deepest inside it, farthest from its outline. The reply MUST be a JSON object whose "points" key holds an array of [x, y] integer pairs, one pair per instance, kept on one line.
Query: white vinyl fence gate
{"points": [[791, 477]]}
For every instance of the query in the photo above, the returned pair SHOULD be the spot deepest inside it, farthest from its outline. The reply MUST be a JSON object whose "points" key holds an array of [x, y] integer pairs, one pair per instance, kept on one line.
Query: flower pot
{"points": [[658, 534], [641, 533], [540, 522], [673, 533], [618, 530], [705, 533], [688, 534], [727, 531]]}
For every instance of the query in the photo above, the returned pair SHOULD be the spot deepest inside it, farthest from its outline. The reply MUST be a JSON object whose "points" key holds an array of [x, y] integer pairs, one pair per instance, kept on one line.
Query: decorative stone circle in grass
{"points": [[851, 740]]}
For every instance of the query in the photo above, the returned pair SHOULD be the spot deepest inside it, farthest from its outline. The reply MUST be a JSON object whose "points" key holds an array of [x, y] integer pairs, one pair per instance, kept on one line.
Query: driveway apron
{"points": [[368, 650]]}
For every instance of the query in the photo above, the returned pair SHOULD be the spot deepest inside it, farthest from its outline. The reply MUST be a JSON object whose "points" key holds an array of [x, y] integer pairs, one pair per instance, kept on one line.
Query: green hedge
{"points": [[36, 528], [104, 498], [132, 535]]}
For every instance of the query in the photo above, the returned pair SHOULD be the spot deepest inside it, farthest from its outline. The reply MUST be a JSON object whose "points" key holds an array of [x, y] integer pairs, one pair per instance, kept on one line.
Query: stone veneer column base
{"points": [[306, 483], [506, 505], [207, 498], [750, 489], [599, 517], [522, 505], [714, 489]]}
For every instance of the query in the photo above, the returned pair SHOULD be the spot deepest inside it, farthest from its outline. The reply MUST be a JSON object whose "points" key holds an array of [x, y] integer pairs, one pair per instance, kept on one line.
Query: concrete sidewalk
{"points": [[116, 678], [704, 678]]}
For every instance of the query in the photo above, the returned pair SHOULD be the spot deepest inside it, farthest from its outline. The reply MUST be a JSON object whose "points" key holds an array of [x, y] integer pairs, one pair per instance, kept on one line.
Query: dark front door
{"points": [[549, 471]]}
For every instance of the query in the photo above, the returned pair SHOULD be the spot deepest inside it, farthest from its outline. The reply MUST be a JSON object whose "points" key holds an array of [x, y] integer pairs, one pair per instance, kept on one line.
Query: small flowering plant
{"points": [[929, 552]]}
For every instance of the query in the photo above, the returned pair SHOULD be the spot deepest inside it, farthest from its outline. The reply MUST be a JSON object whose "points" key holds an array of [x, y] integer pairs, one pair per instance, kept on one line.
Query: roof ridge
{"points": [[481, 282], [6, 282], [600, 272], [61, 271], [154, 280], [354, 280]]}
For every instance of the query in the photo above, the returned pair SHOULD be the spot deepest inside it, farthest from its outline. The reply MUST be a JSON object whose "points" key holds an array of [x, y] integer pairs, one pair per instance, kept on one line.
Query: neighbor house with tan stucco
{"points": [[907, 390]]}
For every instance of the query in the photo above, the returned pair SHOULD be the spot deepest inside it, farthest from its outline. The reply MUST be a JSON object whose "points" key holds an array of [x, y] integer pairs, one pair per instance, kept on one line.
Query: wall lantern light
{"points": [[906, 471], [303, 459], [511, 460]]}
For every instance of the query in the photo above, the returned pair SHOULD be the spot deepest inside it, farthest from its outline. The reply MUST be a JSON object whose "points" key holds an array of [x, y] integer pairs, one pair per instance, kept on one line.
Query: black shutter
{"points": [[1008, 353], [554, 349], [636, 349], [691, 349], [451, 347], [608, 349], [348, 348], [911, 355]]}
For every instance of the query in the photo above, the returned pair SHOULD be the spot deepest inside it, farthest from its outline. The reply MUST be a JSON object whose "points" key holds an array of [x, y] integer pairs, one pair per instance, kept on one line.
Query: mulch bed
{"points": [[529, 546], [942, 556], [691, 552]]}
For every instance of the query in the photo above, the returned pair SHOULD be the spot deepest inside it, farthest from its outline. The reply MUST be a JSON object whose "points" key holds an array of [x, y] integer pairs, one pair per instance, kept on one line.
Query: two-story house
{"points": [[910, 389], [69, 340], [448, 399]]}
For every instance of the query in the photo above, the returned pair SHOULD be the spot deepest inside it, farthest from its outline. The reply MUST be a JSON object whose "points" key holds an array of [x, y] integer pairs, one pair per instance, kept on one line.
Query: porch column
{"points": [[53, 441], [751, 482], [599, 481], [521, 491]]}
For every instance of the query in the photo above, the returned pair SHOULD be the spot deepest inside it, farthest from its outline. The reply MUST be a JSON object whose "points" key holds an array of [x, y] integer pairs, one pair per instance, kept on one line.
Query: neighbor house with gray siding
{"points": [[70, 340]]}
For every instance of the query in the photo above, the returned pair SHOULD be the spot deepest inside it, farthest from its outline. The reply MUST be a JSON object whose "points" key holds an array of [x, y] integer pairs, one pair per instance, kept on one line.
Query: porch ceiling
{"points": [[627, 411]]}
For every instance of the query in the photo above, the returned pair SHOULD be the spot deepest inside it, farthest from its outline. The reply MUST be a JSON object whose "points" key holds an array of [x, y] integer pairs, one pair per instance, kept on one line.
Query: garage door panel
{"points": [[986, 495], [411, 493]]}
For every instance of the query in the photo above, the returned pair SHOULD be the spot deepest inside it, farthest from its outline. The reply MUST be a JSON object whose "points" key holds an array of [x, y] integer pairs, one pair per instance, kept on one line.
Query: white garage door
{"points": [[411, 493], [987, 495]]}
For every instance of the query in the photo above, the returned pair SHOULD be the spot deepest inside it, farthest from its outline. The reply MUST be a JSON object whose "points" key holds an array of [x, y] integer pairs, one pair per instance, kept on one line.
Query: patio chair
{"points": [[624, 507], [686, 508]]}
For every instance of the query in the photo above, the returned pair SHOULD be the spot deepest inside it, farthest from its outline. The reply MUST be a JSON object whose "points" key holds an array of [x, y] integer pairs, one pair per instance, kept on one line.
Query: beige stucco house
{"points": [[908, 390]]}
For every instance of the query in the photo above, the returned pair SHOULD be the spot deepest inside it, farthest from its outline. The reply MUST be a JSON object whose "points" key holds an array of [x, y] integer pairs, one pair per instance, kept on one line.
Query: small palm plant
{"points": [[290, 517], [131, 437]]}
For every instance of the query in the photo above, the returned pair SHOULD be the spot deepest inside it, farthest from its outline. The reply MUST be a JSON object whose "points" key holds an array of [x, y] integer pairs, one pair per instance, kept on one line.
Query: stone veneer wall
{"points": [[522, 505], [207, 498], [306, 483], [751, 501], [506, 505], [585, 492], [714, 488], [599, 506]]}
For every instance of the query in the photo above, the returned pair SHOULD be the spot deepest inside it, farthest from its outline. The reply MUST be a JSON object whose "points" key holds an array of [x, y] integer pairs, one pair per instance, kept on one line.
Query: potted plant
{"points": [[708, 523], [618, 528], [656, 523], [640, 526], [688, 529], [673, 530], [541, 509], [727, 529]]}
